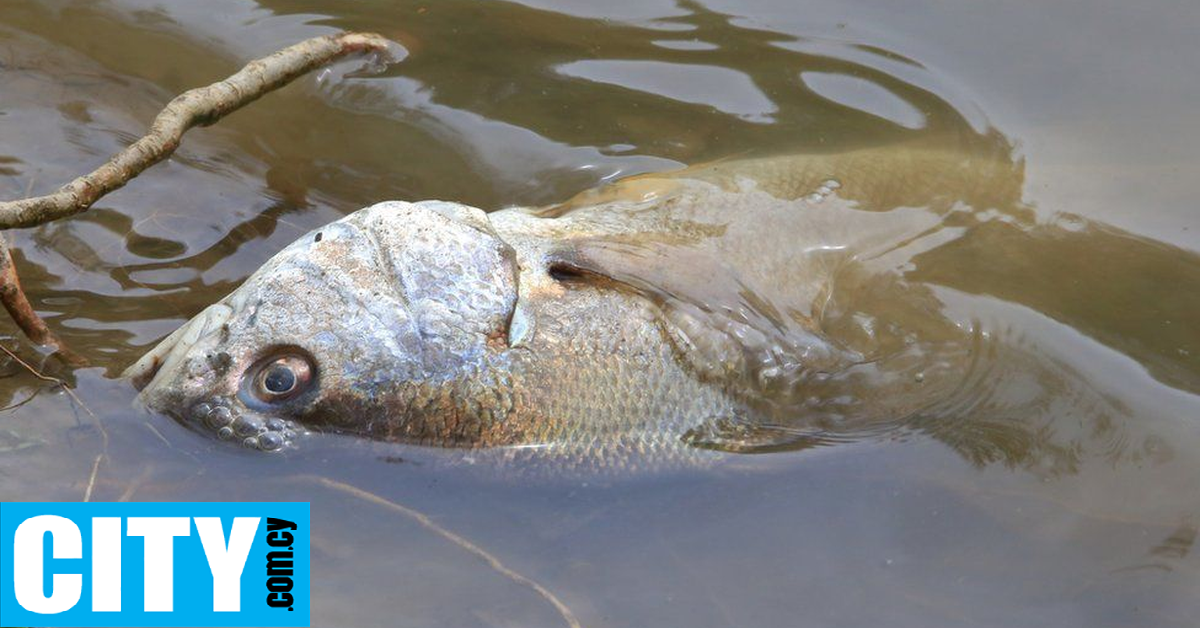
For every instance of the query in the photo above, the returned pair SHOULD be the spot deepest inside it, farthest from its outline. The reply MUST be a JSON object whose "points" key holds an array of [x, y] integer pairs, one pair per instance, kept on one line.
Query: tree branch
{"points": [[22, 313], [202, 106]]}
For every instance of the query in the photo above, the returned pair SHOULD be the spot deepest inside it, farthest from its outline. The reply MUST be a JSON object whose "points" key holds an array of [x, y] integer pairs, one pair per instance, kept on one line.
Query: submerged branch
{"points": [[424, 521], [21, 311], [100, 457]]}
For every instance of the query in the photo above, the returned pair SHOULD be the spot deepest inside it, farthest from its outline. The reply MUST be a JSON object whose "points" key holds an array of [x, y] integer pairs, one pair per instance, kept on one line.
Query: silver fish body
{"points": [[719, 307]]}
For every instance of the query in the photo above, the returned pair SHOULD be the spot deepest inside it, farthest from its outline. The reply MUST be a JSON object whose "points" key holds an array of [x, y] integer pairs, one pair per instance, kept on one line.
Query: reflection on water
{"points": [[1057, 488]]}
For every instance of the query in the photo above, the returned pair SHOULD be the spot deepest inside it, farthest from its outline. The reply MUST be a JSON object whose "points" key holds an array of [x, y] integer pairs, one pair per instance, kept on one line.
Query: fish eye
{"points": [[281, 377]]}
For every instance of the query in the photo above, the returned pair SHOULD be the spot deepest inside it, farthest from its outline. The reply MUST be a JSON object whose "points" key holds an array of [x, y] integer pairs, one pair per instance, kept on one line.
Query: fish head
{"points": [[383, 323]]}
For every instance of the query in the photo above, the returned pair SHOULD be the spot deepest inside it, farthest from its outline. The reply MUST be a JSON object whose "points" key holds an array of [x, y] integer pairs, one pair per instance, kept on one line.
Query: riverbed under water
{"points": [[504, 103]]}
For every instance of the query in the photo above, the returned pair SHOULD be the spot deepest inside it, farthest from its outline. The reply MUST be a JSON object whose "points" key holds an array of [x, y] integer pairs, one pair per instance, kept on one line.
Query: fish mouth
{"points": [[142, 372], [218, 415], [174, 348]]}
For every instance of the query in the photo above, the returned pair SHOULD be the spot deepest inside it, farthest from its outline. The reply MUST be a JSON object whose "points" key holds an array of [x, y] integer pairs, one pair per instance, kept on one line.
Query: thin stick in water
{"points": [[201, 106], [22, 312], [424, 521]]}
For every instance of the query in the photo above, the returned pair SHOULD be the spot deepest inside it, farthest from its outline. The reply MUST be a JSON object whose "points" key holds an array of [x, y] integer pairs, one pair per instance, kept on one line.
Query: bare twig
{"points": [[201, 106], [18, 306], [13, 406], [36, 373], [66, 387], [424, 521], [136, 484], [87, 494]]}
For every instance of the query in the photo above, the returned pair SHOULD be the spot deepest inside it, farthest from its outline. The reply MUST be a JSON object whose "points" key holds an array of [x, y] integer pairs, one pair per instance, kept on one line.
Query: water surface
{"points": [[1066, 521]]}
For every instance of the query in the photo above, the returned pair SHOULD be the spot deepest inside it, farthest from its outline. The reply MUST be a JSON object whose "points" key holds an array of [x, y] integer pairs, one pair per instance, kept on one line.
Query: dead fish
{"points": [[737, 306]]}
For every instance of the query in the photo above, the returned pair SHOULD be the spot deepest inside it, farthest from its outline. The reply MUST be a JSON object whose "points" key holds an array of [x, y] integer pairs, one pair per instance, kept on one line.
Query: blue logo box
{"points": [[154, 564]]}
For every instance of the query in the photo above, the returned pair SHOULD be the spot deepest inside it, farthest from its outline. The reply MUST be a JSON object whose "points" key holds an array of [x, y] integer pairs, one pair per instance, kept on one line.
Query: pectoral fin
{"points": [[724, 329]]}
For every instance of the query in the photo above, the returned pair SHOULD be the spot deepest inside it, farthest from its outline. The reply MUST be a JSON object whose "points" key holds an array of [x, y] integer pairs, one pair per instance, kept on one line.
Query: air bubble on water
{"points": [[247, 425], [619, 148], [1070, 222], [219, 417], [271, 441], [201, 410]]}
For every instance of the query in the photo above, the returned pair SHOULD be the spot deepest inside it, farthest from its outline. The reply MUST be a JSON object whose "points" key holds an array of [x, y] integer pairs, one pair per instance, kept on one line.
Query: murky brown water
{"points": [[1062, 521]]}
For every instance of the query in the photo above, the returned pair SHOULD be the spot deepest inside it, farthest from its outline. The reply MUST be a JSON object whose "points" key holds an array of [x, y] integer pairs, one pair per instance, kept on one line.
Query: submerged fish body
{"points": [[739, 306]]}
